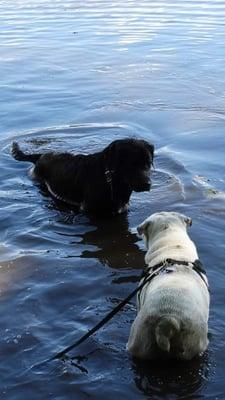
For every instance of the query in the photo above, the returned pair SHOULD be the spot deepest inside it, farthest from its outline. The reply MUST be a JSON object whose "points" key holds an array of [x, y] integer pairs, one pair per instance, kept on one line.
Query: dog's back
{"points": [[172, 320]]}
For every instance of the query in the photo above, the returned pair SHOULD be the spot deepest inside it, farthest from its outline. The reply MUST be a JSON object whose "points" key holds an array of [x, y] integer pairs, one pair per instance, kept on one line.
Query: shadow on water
{"points": [[114, 244], [107, 239]]}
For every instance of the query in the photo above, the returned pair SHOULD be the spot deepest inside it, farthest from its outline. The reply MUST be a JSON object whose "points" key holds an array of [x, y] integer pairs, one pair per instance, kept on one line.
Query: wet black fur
{"points": [[81, 178]]}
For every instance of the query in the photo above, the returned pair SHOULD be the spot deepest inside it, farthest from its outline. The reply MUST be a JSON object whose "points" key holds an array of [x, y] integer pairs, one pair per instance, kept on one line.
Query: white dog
{"points": [[173, 305]]}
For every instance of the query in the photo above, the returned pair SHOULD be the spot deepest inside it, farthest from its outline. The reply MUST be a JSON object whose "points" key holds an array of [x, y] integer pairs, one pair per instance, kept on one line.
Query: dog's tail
{"points": [[19, 155], [165, 330]]}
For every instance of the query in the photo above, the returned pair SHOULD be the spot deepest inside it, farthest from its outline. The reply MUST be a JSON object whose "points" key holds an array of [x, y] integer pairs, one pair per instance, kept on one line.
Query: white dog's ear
{"points": [[142, 228], [187, 220]]}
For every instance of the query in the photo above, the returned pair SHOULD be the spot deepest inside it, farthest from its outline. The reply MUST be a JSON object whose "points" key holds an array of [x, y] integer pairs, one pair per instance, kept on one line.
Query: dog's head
{"points": [[131, 160], [161, 221]]}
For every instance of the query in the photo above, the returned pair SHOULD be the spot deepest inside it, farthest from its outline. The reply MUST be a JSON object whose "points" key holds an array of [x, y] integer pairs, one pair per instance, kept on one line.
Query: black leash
{"points": [[148, 274], [109, 316]]}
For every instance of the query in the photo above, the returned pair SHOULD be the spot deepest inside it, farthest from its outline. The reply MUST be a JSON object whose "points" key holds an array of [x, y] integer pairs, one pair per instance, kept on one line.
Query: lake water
{"points": [[75, 75]]}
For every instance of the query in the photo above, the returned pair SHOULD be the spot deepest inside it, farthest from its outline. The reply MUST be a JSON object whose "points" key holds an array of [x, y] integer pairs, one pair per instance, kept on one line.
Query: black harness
{"points": [[150, 273]]}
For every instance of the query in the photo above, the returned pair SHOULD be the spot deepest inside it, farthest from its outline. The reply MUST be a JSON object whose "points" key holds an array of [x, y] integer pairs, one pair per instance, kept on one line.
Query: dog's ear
{"points": [[151, 149], [143, 228], [187, 220]]}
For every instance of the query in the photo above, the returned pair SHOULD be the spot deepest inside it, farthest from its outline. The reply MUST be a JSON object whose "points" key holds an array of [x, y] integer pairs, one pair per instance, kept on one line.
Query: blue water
{"points": [[75, 76]]}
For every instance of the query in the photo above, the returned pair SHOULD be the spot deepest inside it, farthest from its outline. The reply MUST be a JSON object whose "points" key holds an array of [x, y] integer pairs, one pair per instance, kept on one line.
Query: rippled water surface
{"points": [[75, 75]]}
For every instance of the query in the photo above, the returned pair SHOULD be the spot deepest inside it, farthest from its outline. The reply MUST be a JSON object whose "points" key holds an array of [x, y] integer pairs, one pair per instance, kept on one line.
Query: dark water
{"points": [[75, 75]]}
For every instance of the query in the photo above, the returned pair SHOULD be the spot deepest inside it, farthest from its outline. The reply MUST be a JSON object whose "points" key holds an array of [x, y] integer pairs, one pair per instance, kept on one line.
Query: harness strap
{"points": [[197, 267], [197, 264]]}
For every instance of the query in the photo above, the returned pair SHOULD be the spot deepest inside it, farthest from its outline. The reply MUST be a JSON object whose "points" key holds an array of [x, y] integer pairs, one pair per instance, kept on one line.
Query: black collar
{"points": [[108, 176]]}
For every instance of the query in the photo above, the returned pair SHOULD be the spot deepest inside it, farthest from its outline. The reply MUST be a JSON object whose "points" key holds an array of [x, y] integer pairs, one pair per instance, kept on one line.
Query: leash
{"points": [[107, 318], [148, 274]]}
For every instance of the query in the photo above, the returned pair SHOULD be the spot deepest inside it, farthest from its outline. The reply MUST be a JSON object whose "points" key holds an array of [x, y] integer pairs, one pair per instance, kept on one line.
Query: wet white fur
{"points": [[180, 300]]}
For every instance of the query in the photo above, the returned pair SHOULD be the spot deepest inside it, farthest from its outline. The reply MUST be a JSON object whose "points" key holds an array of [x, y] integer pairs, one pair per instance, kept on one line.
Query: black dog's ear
{"points": [[151, 148]]}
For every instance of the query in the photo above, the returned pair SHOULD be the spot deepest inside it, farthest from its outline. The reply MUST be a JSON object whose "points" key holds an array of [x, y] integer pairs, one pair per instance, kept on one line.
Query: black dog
{"points": [[99, 183]]}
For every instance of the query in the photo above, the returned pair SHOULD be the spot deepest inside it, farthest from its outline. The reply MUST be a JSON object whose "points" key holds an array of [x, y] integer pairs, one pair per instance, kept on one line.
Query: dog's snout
{"points": [[146, 181], [147, 186]]}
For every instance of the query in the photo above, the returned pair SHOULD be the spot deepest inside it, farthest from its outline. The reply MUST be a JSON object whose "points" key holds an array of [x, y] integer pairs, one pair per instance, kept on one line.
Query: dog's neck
{"points": [[119, 203], [170, 243], [109, 179]]}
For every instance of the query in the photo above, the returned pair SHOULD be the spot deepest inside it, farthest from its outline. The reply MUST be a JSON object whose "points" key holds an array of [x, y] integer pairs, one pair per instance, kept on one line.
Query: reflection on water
{"points": [[183, 379], [75, 76], [113, 244]]}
